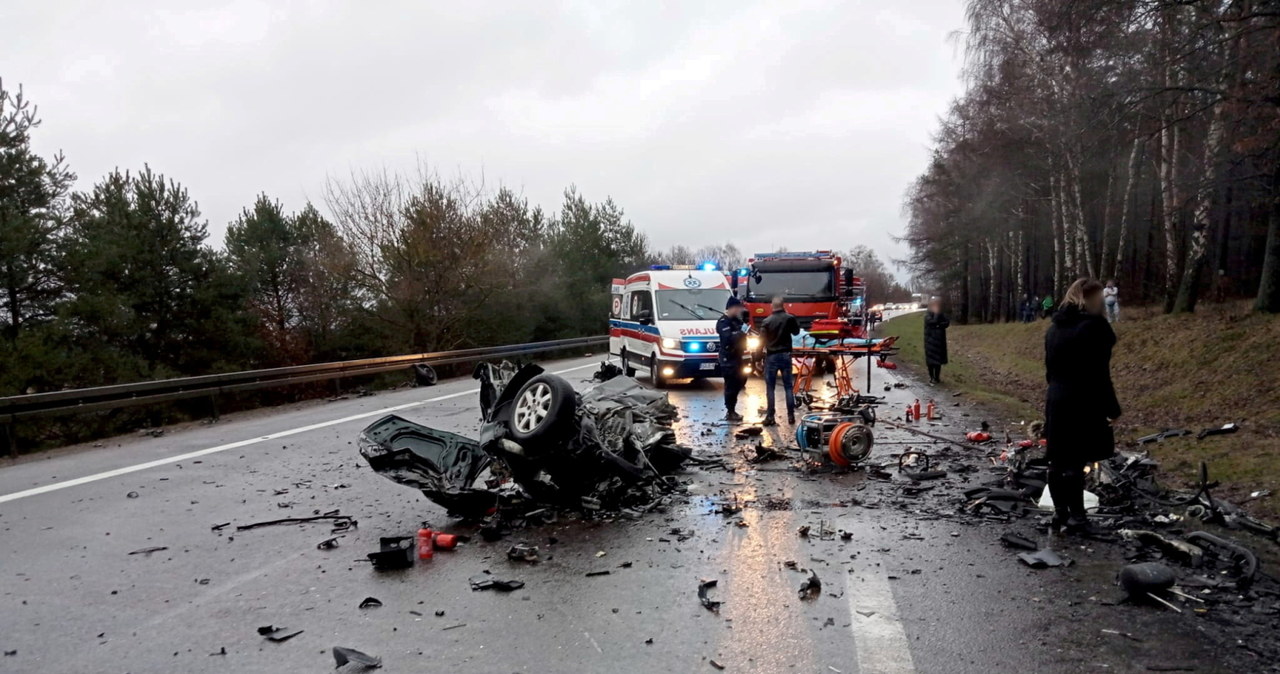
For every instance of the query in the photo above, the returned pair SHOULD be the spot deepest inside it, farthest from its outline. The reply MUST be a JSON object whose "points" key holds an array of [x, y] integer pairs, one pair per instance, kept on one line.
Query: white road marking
{"points": [[879, 639], [36, 491]]}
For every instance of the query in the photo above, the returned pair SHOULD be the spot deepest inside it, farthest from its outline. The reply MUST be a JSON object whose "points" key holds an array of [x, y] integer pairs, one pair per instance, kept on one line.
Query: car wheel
{"points": [[542, 408], [655, 377]]}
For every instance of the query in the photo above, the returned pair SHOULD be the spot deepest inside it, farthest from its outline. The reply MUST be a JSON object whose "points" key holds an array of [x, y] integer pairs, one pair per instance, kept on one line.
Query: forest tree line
{"points": [[120, 283], [1134, 140]]}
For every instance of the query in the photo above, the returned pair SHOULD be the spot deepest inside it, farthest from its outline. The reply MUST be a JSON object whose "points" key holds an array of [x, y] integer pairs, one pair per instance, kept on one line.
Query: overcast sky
{"points": [[795, 124]]}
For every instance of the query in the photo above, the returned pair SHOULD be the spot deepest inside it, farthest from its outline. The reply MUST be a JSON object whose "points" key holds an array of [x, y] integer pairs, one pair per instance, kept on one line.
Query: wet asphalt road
{"points": [[910, 591]]}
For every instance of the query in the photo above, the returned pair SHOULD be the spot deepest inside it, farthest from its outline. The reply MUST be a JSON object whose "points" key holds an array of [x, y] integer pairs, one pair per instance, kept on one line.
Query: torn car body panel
{"points": [[611, 445]]}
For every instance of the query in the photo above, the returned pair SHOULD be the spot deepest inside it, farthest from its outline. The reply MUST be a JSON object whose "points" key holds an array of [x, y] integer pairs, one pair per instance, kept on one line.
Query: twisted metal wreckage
{"points": [[542, 446]]}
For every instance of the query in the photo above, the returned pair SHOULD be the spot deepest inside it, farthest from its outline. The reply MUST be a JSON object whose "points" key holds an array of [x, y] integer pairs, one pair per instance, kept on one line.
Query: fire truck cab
{"points": [[824, 296], [663, 321]]}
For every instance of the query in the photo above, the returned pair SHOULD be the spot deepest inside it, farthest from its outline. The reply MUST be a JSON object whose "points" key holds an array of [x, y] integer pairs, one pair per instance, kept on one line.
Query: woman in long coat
{"points": [[1081, 401], [935, 340]]}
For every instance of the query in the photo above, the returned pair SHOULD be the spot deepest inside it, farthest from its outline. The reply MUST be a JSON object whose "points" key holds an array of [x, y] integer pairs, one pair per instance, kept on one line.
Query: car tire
{"points": [[542, 409], [655, 377], [626, 365]]}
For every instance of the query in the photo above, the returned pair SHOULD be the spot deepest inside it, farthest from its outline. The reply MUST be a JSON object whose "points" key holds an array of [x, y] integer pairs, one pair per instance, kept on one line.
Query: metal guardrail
{"points": [[72, 401]]}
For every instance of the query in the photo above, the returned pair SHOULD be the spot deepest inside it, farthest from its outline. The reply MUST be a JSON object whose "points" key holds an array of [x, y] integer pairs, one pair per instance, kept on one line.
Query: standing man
{"points": [[733, 346], [777, 331], [935, 340], [1047, 305]]}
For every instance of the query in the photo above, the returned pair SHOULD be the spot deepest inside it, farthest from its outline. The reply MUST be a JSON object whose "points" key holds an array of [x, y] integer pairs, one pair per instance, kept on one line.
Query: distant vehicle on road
{"points": [[663, 320]]}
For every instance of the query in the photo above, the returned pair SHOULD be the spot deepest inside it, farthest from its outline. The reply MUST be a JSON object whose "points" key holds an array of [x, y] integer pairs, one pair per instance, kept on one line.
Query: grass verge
{"points": [[1170, 371]]}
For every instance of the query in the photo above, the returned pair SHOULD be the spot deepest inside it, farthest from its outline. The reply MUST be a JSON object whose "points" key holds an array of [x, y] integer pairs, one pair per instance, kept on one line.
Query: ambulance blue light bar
{"points": [[708, 266], [659, 267]]}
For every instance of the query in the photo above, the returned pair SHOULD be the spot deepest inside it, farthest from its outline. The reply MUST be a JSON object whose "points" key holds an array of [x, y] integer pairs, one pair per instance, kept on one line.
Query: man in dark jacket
{"points": [[733, 346], [777, 331], [935, 340], [1081, 401]]}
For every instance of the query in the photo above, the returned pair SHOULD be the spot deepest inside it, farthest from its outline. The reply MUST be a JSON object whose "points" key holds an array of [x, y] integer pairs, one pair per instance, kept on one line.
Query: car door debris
{"points": [[811, 587]]}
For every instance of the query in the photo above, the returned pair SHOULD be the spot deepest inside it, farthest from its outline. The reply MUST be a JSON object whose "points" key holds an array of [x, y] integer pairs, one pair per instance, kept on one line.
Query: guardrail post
{"points": [[10, 445], [213, 406]]}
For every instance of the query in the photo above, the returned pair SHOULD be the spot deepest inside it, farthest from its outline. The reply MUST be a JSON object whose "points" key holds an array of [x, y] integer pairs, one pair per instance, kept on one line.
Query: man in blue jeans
{"points": [[777, 331]]}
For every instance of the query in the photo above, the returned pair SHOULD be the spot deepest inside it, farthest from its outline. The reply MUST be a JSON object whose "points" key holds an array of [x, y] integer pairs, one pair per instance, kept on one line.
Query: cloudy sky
{"points": [[795, 123]]}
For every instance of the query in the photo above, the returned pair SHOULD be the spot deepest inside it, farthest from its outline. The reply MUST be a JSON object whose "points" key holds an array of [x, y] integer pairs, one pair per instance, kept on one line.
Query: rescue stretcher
{"points": [[808, 364]]}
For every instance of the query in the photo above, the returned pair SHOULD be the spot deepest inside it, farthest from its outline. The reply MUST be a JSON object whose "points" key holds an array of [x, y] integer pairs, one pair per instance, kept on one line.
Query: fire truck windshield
{"points": [[807, 286], [691, 304]]}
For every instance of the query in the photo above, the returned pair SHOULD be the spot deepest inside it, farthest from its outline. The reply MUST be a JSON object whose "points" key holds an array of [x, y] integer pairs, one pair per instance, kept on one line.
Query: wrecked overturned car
{"points": [[541, 442]]}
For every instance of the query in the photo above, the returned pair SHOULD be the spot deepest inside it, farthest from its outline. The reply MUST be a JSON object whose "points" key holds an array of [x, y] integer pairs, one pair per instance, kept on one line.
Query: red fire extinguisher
{"points": [[916, 409], [908, 417], [929, 411], [426, 547]]}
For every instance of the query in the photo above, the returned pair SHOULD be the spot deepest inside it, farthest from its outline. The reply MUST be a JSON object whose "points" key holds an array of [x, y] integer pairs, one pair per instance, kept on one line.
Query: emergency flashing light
{"points": [[693, 346], [659, 267], [709, 266]]}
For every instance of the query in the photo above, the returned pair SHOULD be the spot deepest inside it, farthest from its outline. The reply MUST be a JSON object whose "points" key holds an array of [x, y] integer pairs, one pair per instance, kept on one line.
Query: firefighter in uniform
{"points": [[733, 348]]}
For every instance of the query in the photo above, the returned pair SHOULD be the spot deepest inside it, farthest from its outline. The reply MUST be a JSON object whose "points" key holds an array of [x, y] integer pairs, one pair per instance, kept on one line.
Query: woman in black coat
{"points": [[935, 340], [1081, 401]]}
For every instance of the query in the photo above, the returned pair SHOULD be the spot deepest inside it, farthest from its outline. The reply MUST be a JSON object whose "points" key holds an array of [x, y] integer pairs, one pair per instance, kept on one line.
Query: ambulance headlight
{"points": [[753, 343], [668, 343]]}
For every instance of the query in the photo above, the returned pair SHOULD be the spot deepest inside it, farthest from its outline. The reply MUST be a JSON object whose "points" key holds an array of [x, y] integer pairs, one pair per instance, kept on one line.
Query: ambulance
{"points": [[663, 322]]}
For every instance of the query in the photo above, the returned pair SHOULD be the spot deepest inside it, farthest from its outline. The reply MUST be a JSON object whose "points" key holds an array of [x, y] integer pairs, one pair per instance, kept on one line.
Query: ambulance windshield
{"points": [[691, 304]]}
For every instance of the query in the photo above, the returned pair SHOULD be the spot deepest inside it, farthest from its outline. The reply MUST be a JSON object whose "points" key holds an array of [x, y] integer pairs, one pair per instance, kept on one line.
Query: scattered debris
{"points": [[487, 583], [593, 574], [1163, 435], [148, 551], [371, 602], [1144, 580], [606, 372], [344, 655], [522, 552], [704, 596], [1224, 429], [715, 664], [327, 544], [277, 634], [132, 494], [811, 587], [1013, 540], [336, 519], [1042, 559], [395, 553], [424, 375]]}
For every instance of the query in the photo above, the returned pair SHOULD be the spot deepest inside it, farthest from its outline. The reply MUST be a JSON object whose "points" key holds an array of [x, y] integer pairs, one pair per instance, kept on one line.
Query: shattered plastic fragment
{"points": [[704, 595], [344, 655], [395, 553], [371, 602], [277, 634], [1042, 559], [486, 583], [1015, 541], [811, 587], [148, 551]]}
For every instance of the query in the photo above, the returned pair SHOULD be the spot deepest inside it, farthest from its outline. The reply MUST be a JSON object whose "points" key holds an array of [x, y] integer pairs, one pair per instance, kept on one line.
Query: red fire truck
{"points": [[827, 299]]}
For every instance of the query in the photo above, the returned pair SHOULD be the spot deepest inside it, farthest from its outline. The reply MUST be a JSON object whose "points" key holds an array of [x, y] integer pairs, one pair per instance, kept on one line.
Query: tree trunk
{"points": [[1198, 248], [1268, 299], [1134, 159], [1084, 257], [1059, 249], [1170, 200]]}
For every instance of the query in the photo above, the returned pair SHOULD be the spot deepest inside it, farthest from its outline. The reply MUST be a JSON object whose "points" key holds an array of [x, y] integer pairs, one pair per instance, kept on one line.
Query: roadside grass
{"points": [[1220, 365]]}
